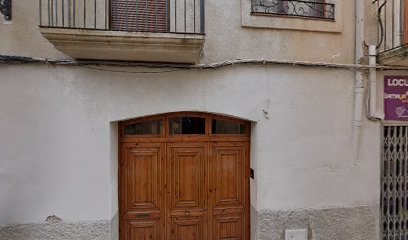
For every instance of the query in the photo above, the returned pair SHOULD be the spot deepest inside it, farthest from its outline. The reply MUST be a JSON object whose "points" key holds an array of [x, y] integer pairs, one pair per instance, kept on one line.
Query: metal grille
{"points": [[395, 183], [164, 16], [392, 24], [317, 9]]}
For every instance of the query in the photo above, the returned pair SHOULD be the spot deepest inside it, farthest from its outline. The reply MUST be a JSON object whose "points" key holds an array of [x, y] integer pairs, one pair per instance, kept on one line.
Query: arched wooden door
{"points": [[184, 176]]}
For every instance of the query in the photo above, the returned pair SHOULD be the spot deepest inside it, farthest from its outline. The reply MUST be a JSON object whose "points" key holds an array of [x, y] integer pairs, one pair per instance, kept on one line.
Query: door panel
{"points": [[228, 173], [186, 186], [229, 176], [229, 228], [143, 230], [187, 228], [141, 190], [142, 179], [230, 181], [187, 182]]}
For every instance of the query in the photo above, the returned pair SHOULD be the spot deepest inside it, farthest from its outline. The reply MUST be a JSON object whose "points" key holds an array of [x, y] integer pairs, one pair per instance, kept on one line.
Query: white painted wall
{"points": [[58, 144]]}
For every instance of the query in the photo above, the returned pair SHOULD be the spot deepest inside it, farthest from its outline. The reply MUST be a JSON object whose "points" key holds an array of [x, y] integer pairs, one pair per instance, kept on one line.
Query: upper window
{"points": [[315, 9], [187, 125], [227, 127], [153, 127]]}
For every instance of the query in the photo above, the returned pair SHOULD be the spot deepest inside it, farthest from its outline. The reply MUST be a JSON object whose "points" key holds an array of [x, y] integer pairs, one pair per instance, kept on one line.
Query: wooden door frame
{"points": [[165, 138]]}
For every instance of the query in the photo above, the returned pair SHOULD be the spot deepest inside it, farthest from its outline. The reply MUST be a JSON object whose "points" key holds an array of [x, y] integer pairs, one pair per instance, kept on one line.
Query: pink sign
{"points": [[396, 98]]}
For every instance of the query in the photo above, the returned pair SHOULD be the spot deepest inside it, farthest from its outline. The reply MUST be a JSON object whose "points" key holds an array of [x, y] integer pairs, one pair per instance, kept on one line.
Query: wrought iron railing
{"points": [[392, 22], [315, 9], [164, 16]]}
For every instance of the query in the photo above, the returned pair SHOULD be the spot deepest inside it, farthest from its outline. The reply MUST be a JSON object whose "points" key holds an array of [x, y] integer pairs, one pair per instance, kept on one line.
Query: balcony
{"points": [[169, 31], [393, 32]]}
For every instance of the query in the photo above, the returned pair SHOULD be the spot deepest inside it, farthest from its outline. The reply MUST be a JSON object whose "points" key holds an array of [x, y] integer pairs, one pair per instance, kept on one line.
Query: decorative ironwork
{"points": [[391, 24], [5, 9], [317, 9], [394, 202], [171, 16]]}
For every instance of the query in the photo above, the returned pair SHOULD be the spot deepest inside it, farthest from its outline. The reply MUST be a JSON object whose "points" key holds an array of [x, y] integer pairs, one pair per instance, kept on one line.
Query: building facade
{"points": [[193, 119]]}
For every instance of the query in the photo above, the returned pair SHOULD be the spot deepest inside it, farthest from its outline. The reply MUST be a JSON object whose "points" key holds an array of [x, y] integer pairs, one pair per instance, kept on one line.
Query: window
{"points": [[139, 15], [261, 14], [187, 125], [315, 9], [227, 127], [144, 128]]}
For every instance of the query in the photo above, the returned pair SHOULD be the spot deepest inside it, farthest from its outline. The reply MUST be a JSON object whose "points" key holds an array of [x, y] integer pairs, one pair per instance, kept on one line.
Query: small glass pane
{"points": [[144, 128], [224, 127], [187, 125]]}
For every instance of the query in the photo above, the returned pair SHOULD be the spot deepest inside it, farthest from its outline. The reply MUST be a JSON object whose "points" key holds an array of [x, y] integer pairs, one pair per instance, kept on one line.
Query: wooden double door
{"points": [[184, 186]]}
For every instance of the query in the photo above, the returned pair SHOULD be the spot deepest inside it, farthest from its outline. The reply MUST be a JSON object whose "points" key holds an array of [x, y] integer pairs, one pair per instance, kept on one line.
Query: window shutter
{"points": [[139, 15]]}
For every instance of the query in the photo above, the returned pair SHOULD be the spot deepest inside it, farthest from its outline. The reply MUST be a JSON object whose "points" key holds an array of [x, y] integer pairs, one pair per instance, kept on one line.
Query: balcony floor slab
{"points": [[126, 46], [394, 57]]}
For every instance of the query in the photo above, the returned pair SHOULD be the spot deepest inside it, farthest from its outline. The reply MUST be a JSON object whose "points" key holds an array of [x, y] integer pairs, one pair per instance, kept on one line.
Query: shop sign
{"points": [[396, 98]]}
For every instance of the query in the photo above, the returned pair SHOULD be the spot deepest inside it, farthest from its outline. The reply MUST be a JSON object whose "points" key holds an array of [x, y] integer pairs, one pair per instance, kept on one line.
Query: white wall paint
{"points": [[58, 146]]}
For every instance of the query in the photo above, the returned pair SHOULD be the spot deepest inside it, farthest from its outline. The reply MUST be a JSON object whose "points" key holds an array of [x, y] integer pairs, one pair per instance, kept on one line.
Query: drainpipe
{"points": [[358, 77], [372, 77]]}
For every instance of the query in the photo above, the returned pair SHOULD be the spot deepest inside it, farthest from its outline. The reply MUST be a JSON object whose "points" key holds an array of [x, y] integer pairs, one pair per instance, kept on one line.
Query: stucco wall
{"points": [[59, 153], [58, 126], [223, 25]]}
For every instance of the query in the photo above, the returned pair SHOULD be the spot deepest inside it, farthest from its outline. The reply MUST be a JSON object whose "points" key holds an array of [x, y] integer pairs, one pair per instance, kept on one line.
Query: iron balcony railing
{"points": [[392, 19], [161, 16], [314, 9]]}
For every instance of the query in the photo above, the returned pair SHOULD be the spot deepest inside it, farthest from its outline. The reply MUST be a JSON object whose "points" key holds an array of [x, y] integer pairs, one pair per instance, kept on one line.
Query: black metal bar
{"points": [[393, 25], [385, 27], [49, 13], [63, 13], [106, 14], [84, 13], [69, 13], [194, 16], [137, 14], [175, 15], [146, 17], [56, 12], [127, 13], [74, 14], [40, 11], [116, 15], [52, 12], [185, 16], [202, 16], [167, 15], [401, 19], [95, 14], [156, 16]]}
